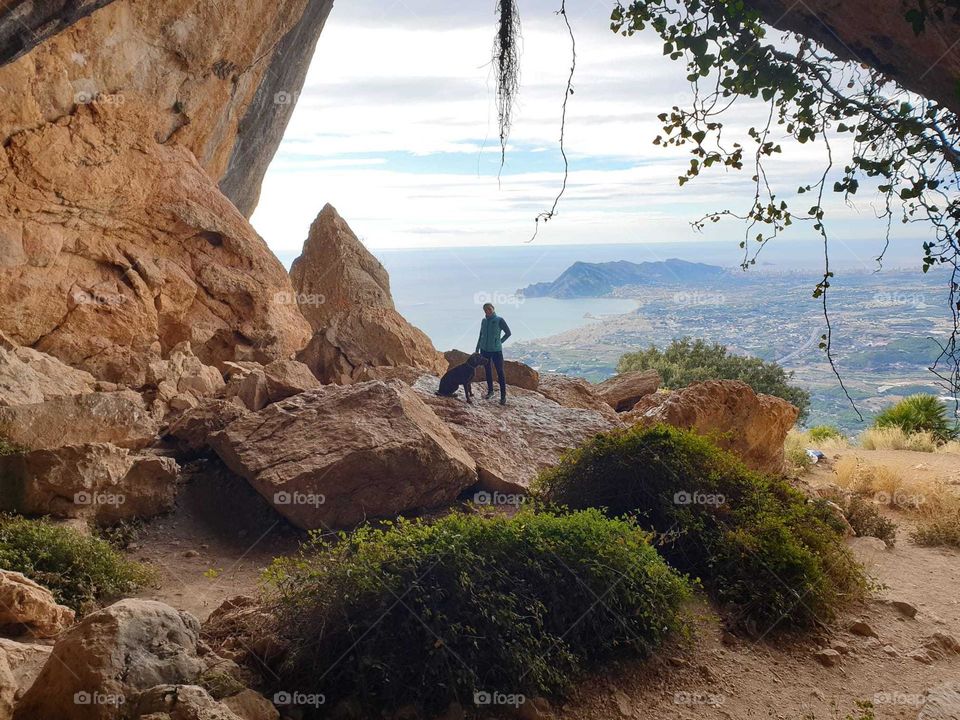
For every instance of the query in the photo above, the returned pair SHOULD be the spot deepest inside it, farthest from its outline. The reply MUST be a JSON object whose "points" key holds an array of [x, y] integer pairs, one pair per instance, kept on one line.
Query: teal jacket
{"points": [[490, 339]]}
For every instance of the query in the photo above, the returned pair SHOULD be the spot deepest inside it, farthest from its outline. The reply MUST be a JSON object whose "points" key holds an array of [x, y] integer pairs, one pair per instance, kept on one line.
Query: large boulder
{"points": [[20, 664], [623, 391], [344, 292], [99, 482], [515, 372], [288, 377], [222, 79], [27, 608], [191, 430], [575, 392], [116, 247], [753, 426], [177, 702], [337, 455], [121, 418], [106, 659], [28, 376], [512, 443]]}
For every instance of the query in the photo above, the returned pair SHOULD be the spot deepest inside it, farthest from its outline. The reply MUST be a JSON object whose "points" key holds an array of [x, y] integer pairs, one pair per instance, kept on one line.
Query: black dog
{"points": [[460, 375]]}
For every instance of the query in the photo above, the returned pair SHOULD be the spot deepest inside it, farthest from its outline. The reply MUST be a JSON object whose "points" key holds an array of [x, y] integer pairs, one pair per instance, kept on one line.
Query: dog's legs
{"points": [[468, 392]]}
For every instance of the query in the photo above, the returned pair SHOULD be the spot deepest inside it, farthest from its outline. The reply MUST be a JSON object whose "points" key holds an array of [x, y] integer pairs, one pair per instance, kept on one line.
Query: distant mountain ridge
{"points": [[585, 279]]}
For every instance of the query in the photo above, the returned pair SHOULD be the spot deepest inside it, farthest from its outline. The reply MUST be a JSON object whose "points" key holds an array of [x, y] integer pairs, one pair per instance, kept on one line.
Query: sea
{"points": [[442, 291]]}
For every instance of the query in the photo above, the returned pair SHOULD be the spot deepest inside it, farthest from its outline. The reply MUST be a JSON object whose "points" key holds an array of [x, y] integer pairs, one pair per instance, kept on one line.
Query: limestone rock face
{"points": [[336, 455], [130, 646], [344, 292], [192, 429], [178, 702], [28, 376], [29, 608], [512, 443], [516, 373], [99, 482], [625, 390], [225, 95], [20, 663], [751, 425], [118, 417], [116, 248], [574, 392]]}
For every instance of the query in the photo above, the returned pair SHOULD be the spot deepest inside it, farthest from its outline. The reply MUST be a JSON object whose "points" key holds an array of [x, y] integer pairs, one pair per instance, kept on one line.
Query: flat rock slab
{"points": [[339, 454], [512, 443]]}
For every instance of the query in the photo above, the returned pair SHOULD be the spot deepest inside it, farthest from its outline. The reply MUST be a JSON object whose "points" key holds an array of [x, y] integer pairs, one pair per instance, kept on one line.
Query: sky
{"points": [[396, 127]]}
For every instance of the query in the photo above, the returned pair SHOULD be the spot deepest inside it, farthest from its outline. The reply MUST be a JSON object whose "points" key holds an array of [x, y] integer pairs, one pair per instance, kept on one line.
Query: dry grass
{"points": [[894, 438], [796, 444], [928, 499]]}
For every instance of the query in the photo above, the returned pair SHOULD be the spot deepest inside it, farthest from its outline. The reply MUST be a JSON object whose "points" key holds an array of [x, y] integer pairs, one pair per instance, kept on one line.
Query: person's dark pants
{"points": [[494, 358]]}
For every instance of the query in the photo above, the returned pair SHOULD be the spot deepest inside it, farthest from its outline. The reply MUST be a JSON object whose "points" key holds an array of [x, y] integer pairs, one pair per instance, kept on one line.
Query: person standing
{"points": [[490, 345]]}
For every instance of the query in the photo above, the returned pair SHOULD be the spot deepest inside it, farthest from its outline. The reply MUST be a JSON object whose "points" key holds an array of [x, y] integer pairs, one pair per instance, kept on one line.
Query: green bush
{"points": [[864, 517], [917, 414], [819, 433], [428, 612], [80, 571], [7, 448], [761, 549], [686, 361]]}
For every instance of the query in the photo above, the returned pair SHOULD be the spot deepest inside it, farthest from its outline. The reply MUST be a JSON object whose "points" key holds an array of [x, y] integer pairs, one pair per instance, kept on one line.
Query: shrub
{"points": [[8, 448], [80, 571], [941, 530], [686, 361], [758, 545], [864, 517], [428, 612], [819, 433], [916, 414]]}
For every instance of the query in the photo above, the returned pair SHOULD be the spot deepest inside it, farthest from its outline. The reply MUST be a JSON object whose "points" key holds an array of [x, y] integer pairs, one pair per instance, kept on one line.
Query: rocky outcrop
{"points": [[119, 417], [752, 425], [575, 392], [344, 292], [512, 443], [128, 647], [116, 248], [941, 702], [516, 373], [222, 80], [177, 702], [182, 379], [337, 455], [99, 482], [623, 391], [20, 663], [28, 376], [27, 608], [191, 430]]}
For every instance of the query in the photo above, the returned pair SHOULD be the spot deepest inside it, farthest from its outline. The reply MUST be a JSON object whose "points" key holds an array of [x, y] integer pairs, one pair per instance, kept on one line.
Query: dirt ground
{"points": [[222, 535]]}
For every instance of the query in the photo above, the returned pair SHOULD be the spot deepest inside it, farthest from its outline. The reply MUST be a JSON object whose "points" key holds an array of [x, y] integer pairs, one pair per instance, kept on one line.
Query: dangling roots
{"points": [[506, 57]]}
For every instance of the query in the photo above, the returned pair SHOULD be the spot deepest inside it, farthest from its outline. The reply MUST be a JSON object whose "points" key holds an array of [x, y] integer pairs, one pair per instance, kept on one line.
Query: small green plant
{"points": [[430, 612], [819, 433], [761, 549], [941, 530], [866, 520], [80, 571], [8, 448], [918, 414]]}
